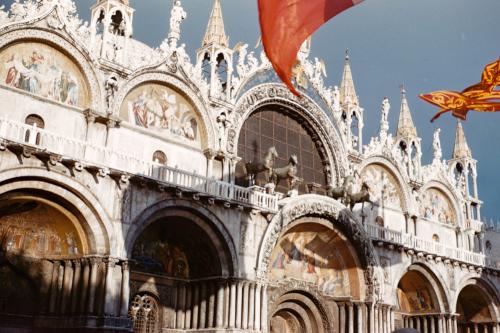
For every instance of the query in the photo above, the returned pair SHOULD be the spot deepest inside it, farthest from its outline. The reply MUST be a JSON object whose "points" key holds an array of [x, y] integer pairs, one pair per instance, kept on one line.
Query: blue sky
{"points": [[426, 44]]}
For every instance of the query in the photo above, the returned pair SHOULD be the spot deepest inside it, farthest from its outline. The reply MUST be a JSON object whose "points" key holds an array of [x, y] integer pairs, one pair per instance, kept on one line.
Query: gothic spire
{"points": [[461, 149], [405, 123], [215, 33], [347, 90]]}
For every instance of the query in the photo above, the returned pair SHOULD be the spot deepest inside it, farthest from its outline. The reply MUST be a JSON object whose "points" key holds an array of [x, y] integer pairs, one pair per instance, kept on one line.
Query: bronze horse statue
{"points": [[361, 196], [252, 169], [288, 172], [343, 191]]}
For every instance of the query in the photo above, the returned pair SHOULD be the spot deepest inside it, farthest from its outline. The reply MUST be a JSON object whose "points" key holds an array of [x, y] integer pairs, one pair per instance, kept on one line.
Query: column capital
{"points": [[210, 153]]}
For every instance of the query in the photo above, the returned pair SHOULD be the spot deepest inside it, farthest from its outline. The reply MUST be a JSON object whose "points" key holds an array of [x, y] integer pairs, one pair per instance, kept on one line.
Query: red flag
{"points": [[286, 24]]}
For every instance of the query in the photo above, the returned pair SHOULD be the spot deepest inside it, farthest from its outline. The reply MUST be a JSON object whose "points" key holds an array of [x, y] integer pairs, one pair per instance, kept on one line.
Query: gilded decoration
{"points": [[414, 294], [163, 111], [34, 229], [383, 186], [309, 253], [437, 207], [42, 70]]}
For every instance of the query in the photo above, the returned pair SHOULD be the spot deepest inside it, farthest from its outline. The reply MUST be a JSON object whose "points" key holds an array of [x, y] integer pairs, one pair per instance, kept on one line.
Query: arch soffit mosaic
{"points": [[279, 95], [386, 164], [179, 86], [202, 217], [64, 43], [98, 229], [329, 209], [434, 279], [487, 288], [449, 193]]}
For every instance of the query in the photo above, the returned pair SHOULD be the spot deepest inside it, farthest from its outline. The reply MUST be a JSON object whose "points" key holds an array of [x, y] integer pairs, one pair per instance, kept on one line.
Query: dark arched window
{"points": [[32, 135], [160, 157], [144, 314], [283, 130]]}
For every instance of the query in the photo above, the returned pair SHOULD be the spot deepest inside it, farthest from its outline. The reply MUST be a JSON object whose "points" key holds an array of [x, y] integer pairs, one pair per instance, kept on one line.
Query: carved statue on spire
{"points": [[386, 106], [177, 14], [436, 145]]}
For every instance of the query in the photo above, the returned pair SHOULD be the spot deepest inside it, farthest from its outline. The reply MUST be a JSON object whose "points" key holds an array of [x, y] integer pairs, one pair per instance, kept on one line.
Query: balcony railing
{"points": [[426, 246], [475, 225], [88, 153]]}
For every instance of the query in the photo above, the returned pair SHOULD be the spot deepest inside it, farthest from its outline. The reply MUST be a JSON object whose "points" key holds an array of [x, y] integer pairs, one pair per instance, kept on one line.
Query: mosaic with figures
{"points": [[437, 207], [34, 229], [161, 110], [384, 188], [42, 70], [311, 255]]}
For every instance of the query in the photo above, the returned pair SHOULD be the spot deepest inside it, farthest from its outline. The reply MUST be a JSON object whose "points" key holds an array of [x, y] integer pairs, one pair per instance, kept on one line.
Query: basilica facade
{"points": [[145, 191]]}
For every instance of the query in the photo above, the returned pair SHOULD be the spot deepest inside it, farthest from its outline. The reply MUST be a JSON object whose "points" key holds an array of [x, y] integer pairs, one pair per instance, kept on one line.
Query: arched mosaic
{"points": [[310, 253], [414, 294], [384, 187], [161, 110], [437, 207], [45, 71], [36, 229]]}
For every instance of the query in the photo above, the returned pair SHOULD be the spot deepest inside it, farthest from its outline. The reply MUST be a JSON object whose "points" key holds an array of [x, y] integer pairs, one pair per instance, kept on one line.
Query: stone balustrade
{"points": [[107, 158], [425, 246]]}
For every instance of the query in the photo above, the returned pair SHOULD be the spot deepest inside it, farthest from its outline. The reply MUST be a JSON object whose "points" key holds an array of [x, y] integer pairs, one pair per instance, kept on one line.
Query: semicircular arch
{"points": [[202, 217], [95, 221], [487, 289], [450, 195], [326, 136], [439, 294], [208, 136], [69, 47]]}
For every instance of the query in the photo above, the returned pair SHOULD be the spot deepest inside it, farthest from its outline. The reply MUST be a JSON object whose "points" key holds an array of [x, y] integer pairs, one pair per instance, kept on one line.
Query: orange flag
{"points": [[286, 24]]}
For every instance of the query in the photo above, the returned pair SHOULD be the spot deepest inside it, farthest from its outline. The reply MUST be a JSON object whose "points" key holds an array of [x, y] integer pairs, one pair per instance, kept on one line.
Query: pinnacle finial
{"points": [[346, 54], [215, 33], [347, 91], [461, 148], [405, 122]]}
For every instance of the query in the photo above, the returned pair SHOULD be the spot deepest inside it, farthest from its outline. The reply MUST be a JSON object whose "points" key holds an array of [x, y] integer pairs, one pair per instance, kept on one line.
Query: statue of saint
{"points": [[386, 106], [177, 14], [436, 145]]}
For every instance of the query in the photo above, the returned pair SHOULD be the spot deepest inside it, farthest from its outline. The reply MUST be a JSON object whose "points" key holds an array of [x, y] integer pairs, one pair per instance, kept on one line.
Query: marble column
{"points": [[189, 307], [94, 266], [342, 318], [60, 287], [425, 324], [84, 293], [67, 284], [432, 320], [75, 294], [181, 302], [371, 326], [232, 306], [245, 306], [440, 324], [360, 307], [375, 319], [239, 305], [211, 304], [418, 323], [455, 324], [380, 320], [203, 306], [227, 300], [125, 289], [257, 307], [251, 306], [263, 316], [219, 316], [476, 328], [351, 318], [110, 293], [196, 302], [53, 288]]}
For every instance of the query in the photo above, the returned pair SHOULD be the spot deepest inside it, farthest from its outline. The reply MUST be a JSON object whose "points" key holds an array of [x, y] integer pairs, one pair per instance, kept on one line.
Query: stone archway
{"points": [[475, 309], [420, 302], [181, 257], [296, 313]]}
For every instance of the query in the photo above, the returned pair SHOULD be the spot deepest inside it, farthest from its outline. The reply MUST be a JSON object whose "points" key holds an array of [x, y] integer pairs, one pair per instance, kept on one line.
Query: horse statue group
{"points": [[274, 175], [348, 197], [289, 173]]}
